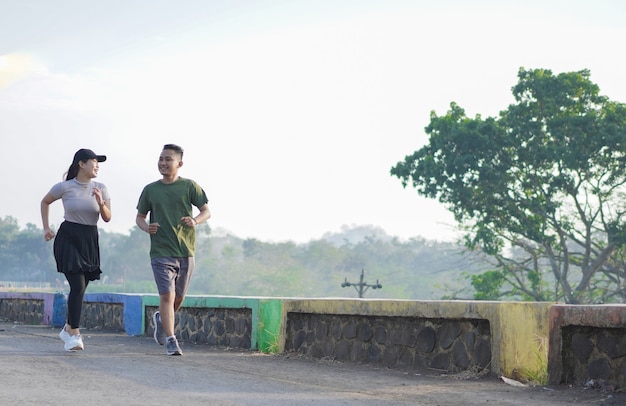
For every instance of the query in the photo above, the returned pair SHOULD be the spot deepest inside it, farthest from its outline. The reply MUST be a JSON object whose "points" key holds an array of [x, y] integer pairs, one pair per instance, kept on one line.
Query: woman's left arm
{"points": [[105, 205], [105, 210]]}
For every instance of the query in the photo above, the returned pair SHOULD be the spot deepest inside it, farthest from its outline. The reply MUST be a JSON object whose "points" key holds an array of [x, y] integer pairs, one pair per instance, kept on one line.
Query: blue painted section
{"points": [[134, 316], [103, 298], [133, 309], [59, 310]]}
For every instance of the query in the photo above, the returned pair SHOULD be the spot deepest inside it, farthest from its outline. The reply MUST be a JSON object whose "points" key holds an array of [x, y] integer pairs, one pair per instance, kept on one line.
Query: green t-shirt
{"points": [[167, 204]]}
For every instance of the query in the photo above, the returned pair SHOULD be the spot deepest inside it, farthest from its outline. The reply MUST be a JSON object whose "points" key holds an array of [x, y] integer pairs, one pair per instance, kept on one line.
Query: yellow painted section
{"points": [[523, 337]]}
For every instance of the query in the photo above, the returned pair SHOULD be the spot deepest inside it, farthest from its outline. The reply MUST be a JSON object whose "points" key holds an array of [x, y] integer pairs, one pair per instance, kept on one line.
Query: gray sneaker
{"points": [[159, 334], [173, 348]]}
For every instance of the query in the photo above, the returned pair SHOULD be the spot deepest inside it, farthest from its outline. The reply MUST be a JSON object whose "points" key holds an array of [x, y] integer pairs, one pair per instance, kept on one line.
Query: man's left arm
{"points": [[203, 216]]}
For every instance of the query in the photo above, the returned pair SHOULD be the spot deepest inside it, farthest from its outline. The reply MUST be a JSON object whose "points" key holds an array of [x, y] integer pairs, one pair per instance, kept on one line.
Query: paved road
{"points": [[116, 369]]}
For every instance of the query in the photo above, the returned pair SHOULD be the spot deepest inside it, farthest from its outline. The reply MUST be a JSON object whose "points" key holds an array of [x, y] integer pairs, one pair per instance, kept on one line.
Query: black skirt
{"points": [[76, 249]]}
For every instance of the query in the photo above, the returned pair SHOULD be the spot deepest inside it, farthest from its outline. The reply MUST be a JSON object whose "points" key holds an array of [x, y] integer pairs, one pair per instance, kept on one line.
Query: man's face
{"points": [[169, 162]]}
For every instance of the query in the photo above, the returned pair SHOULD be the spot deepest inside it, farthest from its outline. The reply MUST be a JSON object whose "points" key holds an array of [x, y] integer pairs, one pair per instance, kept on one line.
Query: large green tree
{"points": [[539, 189]]}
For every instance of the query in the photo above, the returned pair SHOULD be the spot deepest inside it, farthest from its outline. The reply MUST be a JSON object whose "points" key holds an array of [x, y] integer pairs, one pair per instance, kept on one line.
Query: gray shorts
{"points": [[172, 274]]}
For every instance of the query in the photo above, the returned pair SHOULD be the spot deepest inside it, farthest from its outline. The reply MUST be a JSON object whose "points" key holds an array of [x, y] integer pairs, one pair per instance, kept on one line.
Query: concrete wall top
{"points": [[610, 315]]}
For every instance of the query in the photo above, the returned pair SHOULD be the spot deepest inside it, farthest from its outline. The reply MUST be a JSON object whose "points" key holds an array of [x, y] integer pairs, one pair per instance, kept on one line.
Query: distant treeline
{"points": [[228, 265]]}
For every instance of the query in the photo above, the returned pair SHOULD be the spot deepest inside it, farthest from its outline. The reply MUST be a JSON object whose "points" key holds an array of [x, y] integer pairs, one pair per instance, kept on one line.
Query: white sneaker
{"points": [[64, 335], [74, 343]]}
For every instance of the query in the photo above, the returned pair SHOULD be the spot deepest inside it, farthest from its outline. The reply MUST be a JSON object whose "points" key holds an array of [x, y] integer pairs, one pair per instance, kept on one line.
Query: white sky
{"points": [[291, 113]]}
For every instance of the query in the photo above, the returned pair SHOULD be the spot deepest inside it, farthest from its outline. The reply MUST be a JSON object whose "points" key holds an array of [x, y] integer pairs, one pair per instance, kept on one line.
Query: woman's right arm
{"points": [[47, 200]]}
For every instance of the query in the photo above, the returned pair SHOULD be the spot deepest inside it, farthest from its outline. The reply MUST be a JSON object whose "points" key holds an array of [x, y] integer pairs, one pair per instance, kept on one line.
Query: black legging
{"points": [[78, 284]]}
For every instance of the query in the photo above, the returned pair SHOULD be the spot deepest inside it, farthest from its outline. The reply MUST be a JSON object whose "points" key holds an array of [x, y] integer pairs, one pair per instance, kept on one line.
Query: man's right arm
{"points": [[141, 222]]}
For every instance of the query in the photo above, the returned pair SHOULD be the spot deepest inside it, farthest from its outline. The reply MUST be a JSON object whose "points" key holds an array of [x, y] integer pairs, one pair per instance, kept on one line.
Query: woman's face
{"points": [[90, 168]]}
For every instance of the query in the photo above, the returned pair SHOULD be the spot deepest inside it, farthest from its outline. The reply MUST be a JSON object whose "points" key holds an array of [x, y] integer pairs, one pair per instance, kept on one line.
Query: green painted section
{"points": [[269, 325], [150, 301]]}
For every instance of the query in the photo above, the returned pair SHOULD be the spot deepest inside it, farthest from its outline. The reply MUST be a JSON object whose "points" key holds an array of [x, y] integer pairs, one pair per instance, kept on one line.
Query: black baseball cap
{"points": [[85, 154]]}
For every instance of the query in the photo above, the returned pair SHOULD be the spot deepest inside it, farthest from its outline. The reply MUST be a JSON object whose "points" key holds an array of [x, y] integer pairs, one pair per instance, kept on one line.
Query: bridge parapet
{"points": [[504, 338]]}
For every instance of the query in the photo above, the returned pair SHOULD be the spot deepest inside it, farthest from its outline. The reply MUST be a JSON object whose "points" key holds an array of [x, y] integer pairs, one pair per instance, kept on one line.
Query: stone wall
{"points": [[587, 345], [441, 344], [592, 353], [220, 327], [25, 311], [103, 316]]}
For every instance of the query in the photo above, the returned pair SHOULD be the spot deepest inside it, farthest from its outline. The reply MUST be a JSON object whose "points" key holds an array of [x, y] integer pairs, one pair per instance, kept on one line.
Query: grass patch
{"points": [[539, 374], [272, 345]]}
